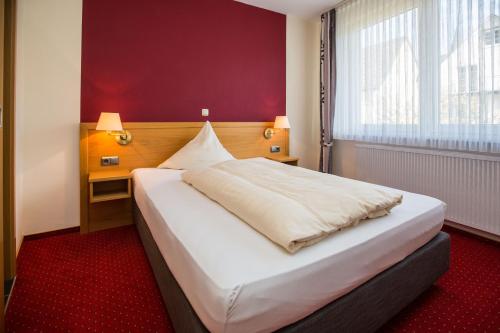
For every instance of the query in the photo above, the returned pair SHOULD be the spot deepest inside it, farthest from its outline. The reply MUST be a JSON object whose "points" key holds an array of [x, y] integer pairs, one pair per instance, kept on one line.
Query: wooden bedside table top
{"points": [[283, 159], [107, 175]]}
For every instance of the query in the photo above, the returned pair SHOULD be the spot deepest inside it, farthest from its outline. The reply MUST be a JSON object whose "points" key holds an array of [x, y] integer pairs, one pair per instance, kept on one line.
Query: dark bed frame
{"points": [[365, 309]]}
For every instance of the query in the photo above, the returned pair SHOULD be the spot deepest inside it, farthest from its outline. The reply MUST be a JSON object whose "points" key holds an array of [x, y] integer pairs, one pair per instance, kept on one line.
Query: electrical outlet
{"points": [[275, 149], [110, 160], [204, 112]]}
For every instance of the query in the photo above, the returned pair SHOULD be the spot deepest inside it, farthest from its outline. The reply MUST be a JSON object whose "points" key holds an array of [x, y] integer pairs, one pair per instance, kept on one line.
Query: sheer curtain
{"points": [[419, 72]]}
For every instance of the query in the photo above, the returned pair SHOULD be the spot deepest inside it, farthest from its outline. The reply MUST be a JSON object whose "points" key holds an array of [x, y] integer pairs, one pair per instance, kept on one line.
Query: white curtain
{"points": [[419, 72]]}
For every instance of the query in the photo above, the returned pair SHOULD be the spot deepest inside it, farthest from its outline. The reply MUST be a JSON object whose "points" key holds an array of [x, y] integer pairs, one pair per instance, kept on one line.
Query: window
{"points": [[492, 36], [385, 62], [468, 79], [420, 72]]}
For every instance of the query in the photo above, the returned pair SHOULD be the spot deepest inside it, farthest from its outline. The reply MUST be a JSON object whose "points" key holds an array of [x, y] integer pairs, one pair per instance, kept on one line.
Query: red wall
{"points": [[165, 60]]}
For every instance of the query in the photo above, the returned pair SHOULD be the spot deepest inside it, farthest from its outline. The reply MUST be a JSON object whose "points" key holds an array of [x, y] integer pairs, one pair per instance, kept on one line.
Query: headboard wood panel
{"points": [[154, 142]]}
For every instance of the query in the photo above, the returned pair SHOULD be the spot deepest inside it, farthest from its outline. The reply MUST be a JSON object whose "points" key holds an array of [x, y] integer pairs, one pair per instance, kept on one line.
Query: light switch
{"points": [[204, 112]]}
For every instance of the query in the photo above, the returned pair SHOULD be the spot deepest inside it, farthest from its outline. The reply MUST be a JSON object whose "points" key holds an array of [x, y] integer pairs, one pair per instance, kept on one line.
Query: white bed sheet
{"points": [[239, 281]]}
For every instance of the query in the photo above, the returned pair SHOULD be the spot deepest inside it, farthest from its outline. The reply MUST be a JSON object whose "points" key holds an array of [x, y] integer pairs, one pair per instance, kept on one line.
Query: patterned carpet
{"points": [[102, 282], [99, 282], [465, 299]]}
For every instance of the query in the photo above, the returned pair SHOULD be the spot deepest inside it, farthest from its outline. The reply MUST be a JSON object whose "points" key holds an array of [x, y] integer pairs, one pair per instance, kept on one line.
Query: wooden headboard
{"points": [[153, 143]]}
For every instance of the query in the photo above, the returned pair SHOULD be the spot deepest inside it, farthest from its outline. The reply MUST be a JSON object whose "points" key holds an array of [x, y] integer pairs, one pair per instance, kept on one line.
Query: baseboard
{"points": [[476, 232], [51, 233]]}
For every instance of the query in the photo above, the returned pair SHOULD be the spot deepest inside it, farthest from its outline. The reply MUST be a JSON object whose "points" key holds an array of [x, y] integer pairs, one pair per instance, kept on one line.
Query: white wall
{"points": [[302, 89], [47, 115], [345, 158]]}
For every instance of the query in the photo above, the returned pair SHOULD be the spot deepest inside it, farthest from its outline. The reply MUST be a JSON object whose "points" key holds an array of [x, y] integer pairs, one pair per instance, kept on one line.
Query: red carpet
{"points": [[99, 282], [102, 282], [465, 299]]}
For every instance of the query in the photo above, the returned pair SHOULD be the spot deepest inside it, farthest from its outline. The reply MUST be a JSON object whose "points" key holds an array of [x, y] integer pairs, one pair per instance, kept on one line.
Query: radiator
{"points": [[468, 183]]}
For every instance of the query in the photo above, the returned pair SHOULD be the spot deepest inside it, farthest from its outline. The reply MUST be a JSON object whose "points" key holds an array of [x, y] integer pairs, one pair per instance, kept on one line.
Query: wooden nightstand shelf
{"points": [[110, 185], [110, 200], [285, 159]]}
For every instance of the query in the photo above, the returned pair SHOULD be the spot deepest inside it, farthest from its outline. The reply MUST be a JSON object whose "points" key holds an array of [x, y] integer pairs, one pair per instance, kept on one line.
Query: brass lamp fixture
{"points": [[111, 123], [279, 122]]}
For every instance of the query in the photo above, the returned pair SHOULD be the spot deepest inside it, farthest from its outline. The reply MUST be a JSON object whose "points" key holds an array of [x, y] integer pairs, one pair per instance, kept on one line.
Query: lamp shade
{"points": [[281, 122], [109, 122]]}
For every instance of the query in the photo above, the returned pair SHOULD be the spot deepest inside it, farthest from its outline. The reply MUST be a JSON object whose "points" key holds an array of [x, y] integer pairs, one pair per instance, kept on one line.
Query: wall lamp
{"points": [[111, 123], [279, 122]]}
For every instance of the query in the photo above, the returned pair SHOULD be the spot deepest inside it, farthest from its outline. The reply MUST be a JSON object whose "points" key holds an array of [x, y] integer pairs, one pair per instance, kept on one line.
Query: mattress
{"points": [[238, 281]]}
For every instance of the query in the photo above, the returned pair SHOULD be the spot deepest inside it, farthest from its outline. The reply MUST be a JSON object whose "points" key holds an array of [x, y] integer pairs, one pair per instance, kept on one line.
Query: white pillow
{"points": [[204, 150]]}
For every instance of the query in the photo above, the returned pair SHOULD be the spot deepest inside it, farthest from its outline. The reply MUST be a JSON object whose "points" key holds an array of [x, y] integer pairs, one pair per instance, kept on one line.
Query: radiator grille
{"points": [[468, 183]]}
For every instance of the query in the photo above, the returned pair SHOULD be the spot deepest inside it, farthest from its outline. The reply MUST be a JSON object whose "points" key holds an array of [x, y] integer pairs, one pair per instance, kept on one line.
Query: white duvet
{"points": [[293, 207]]}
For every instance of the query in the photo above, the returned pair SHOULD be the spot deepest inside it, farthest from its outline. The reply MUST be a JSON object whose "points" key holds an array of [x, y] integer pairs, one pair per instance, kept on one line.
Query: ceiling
{"points": [[300, 8]]}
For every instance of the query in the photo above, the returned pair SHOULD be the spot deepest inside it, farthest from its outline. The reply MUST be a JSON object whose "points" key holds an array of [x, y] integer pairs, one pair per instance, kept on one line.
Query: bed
{"points": [[217, 274]]}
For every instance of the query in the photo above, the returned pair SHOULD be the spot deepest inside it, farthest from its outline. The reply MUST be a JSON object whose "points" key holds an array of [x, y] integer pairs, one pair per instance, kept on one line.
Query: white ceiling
{"points": [[301, 8]]}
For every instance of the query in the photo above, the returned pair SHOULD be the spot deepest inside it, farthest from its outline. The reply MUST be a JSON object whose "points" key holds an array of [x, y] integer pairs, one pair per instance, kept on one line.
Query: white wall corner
{"points": [[302, 88]]}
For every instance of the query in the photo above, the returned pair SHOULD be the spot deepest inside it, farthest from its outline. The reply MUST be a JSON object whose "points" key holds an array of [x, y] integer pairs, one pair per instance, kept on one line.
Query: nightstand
{"points": [[110, 185], [110, 199], [285, 159]]}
